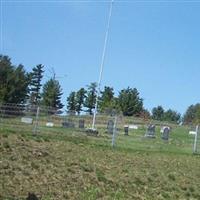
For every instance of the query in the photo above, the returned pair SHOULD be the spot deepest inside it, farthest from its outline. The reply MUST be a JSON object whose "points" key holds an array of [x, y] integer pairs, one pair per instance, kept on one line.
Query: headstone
{"points": [[81, 123], [68, 124], [133, 126], [27, 120], [92, 132], [192, 132], [126, 130], [50, 124], [165, 134], [150, 133], [163, 128], [110, 126]]}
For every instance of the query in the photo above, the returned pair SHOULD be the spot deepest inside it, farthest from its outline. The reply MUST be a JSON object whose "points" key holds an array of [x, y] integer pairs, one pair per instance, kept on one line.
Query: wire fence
{"points": [[113, 128]]}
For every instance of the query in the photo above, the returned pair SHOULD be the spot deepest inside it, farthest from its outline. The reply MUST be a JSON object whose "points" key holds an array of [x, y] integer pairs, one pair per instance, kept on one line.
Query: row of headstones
{"points": [[150, 132], [65, 124], [71, 124]]}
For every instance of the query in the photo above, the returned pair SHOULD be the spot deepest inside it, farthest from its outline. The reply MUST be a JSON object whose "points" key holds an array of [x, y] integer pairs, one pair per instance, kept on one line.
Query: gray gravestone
{"points": [[165, 134], [110, 126], [125, 130], [81, 123], [150, 133], [68, 124]]}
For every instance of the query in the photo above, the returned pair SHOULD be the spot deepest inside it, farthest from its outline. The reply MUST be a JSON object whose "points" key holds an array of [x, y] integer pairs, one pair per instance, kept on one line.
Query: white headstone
{"points": [[50, 124], [133, 126], [27, 120], [192, 132]]}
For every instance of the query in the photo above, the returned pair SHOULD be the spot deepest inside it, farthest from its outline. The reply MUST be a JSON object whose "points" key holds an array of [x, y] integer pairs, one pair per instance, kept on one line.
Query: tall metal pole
{"points": [[1, 26], [114, 132], [102, 64], [35, 129]]}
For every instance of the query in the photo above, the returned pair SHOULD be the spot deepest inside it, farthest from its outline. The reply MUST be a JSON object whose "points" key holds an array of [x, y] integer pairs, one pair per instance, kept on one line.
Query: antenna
{"points": [[102, 64], [53, 74]]}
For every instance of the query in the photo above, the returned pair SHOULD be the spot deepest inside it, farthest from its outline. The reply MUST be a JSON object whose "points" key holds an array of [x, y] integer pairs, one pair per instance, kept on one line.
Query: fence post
{"points": [[195, 140], [35, 129], [1, 111], [114, 132]]}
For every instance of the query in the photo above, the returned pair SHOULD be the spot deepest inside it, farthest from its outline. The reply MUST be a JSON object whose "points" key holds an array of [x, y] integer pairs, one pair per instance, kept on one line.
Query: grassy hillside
{"points": [[68, 164]]}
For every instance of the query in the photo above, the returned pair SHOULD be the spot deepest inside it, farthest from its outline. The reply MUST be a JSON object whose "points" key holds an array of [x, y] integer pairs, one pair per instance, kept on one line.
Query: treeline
{"points": [[128, 102], [21, 87]]}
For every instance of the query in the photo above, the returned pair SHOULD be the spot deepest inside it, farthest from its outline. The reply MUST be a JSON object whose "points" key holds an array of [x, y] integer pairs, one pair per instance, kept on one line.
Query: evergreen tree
{"points": [[192, 114], [80, 97], [106, 101], [129, 102], [145, 114], [71, 103], [35, 84], [90, 99], [52, 93], [172, 116], [158, 113], [13, 82]]}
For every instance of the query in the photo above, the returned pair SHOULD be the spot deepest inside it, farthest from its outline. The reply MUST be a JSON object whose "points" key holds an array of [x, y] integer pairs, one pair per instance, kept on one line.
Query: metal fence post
{"points": [[114, 132], [195, 140], [35, 129]]}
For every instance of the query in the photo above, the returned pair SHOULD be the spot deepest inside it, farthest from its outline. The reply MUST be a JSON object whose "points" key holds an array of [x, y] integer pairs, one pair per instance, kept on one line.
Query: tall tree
{"points": [[80, 97], [71, 103], [106, 101], [158, 113], [192, 114], [172, 116], [130, 102], [52, 93], [35, 84], [90, 98], [145, 114], [13, 82]]}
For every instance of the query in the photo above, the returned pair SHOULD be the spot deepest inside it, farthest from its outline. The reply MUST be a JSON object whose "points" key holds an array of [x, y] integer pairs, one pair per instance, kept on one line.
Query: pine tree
{"points": [[52, 93], [35, 84], [90, 99], [80, 97], [106, 101], [71, 103], [13, 82], [158, 113], [129, 102]]}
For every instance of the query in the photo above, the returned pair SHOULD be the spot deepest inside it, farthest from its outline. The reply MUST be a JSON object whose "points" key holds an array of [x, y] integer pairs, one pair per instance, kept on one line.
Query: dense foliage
{"points": [[14, 81], [192, 114], [52, 93], [35, 84], [21, 87], [158, 113]]}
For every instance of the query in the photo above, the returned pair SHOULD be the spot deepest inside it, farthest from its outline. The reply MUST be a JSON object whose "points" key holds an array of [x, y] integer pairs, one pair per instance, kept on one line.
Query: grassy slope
{"points": [[71, 165]]}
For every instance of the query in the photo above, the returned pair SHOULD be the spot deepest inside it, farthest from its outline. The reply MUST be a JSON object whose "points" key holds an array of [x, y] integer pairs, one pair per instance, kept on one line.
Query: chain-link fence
{"points": [[40, 118], [113, 128]]}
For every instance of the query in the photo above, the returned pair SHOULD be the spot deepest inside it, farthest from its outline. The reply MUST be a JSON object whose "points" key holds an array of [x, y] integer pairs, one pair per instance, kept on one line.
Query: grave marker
{"points": [[50, 124], [81, 123], [110, 126], [126, 130], [27, 120], [165, 134], [68, 124], [150, 132]]}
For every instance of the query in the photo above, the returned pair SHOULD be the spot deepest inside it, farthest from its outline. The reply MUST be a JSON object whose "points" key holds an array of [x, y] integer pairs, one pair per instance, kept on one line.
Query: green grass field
{"points": [[67, 164]]}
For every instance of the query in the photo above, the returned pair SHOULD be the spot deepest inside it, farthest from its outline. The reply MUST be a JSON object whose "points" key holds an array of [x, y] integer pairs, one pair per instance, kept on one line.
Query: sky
{"points": [[153, 46]]}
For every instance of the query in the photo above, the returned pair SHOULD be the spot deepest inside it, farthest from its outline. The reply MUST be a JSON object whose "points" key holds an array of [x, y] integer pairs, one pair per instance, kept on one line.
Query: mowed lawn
{"points": [[68, 164]]}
